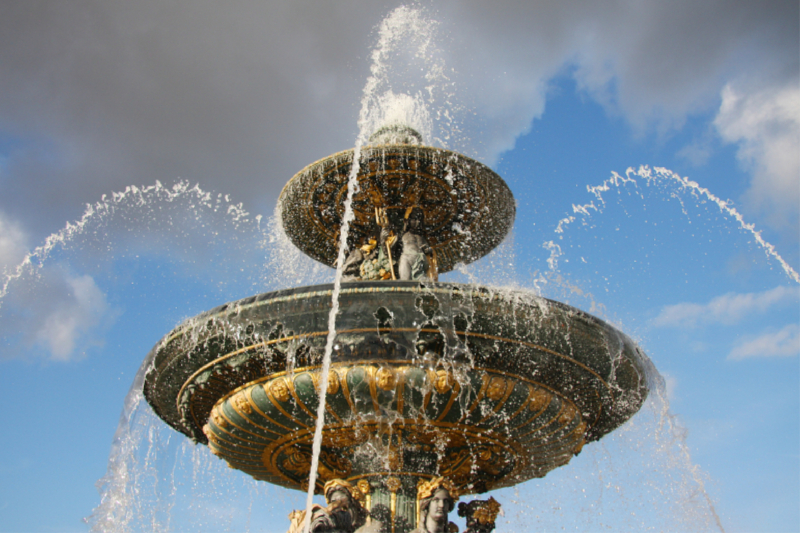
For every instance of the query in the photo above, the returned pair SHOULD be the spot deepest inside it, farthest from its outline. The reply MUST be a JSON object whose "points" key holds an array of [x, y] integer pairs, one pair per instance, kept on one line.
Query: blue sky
{"points": [[555, 97]]}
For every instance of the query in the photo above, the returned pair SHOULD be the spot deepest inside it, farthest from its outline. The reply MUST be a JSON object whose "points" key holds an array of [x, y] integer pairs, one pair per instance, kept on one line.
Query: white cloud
{"points": [[83, 308], [696, 153], [670, 386], [726, 309], [766, 126], [13, 243], [782, 343]]}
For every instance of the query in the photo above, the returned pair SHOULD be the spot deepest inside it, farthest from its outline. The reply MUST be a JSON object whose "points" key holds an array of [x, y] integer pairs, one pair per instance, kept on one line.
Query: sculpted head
{"points": [[280, 390], [440, 504], [338, 491], [415, 218], [437, 498], [386, 378], [342, 498]]}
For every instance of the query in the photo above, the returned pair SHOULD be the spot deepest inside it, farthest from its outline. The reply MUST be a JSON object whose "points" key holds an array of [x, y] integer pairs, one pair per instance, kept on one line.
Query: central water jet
{"points": [[433, 387]]}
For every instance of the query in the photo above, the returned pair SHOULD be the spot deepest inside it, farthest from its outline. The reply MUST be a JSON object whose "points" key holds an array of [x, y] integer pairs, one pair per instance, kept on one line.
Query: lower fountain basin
{"points": [[487, 387]]}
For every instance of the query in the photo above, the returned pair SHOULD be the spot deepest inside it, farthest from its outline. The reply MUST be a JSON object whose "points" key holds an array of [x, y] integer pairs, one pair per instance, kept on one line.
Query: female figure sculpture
{"points": [[436, 499], [413, 263]]}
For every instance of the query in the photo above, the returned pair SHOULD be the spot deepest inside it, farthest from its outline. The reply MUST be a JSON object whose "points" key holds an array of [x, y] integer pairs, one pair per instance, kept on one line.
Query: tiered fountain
{"points": [[483, 387]]}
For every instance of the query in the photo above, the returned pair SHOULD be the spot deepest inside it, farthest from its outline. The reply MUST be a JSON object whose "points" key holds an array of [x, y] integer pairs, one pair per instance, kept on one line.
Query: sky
{"points": [[653, 149]]}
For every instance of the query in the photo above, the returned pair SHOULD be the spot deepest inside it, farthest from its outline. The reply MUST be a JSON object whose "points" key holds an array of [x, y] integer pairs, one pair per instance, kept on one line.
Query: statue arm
{"points": [[426, 246], [387, 239], [355, 258]]}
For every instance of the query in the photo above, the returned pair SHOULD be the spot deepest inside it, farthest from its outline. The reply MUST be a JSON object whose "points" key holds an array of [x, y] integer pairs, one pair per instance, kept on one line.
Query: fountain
{"points": [[428, 385]]}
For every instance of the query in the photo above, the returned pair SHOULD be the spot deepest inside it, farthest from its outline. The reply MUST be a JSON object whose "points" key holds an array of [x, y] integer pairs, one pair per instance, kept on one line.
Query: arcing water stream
{"points": [[650, 176], [640, 478], [402, 28]]}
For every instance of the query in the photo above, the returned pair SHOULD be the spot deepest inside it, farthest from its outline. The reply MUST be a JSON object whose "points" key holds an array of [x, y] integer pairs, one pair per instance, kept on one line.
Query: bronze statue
{"points": [[480, 515], [351, 271], [380, 258], [377, 265], [436, 499], [413, 263], [344, 513], [380, 521]]}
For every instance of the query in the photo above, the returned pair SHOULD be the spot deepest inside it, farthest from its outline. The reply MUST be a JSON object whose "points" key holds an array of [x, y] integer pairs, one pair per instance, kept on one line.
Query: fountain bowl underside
{"points": [[484, 386], [468, 209]]}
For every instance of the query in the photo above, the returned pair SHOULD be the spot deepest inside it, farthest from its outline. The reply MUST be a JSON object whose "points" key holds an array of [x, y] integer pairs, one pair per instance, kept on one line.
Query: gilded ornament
{"points": [[297, 462], [345, 437], [364, 487], [443, 381], [395, 459], [386, 378], [392, 483], [566, 415], [426, 489], [241, 404], [496, 389], [219, 421], [324, 472], [279, 390], [338, 462], [463, 471], [492, 460], [539, 399], [487, 513], [333, 382]]}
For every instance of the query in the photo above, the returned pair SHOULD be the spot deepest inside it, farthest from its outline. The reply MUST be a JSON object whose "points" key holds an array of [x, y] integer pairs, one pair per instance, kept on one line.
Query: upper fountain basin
{"points": [[468, 209]]}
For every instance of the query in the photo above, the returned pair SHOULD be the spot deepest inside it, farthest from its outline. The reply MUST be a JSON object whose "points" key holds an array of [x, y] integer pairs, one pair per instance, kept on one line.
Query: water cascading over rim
{"points": [[485, 387], [468, 208]]}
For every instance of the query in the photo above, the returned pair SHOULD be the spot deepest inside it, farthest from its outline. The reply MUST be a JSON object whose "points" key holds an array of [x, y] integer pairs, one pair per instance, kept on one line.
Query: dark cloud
{"points": [[98, 95], [239, 96]]}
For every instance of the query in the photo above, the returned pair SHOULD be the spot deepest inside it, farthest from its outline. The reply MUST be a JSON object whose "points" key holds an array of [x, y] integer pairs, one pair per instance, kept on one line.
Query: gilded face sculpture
{"points": [[386, 378], [280, 390]]}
